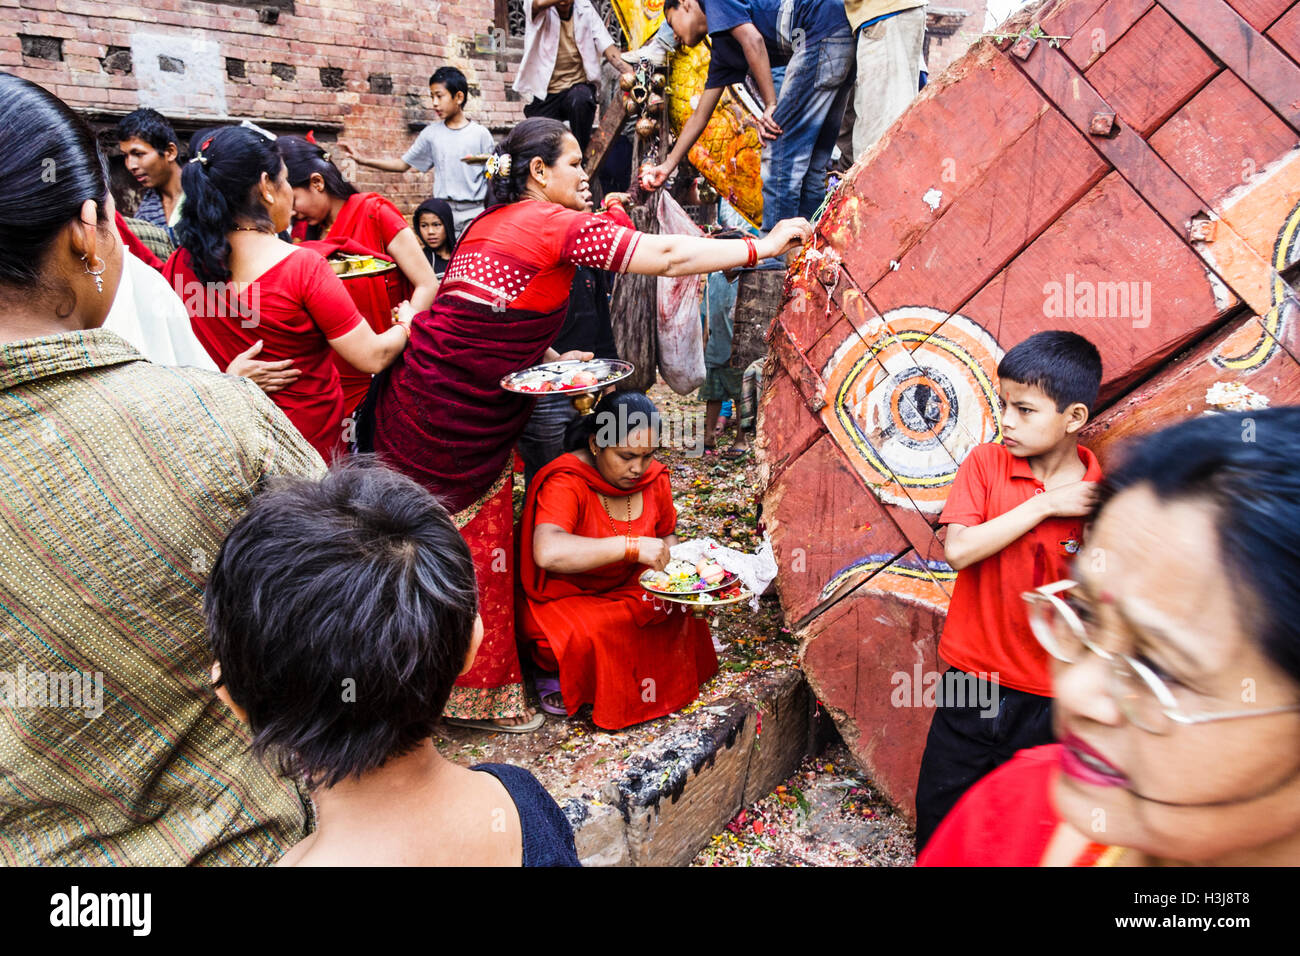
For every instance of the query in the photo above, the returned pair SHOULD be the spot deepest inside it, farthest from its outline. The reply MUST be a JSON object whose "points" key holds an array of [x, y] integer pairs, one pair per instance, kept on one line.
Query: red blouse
{"points": [[524, 255], [294, 307]]}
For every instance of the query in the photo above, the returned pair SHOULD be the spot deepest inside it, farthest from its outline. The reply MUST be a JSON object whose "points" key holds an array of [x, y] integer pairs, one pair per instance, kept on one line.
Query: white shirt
{"points": [[148, 313], [542, 43]]}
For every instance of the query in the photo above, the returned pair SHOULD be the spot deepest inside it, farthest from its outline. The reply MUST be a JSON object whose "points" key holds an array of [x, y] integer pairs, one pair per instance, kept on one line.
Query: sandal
{"points": [[548, 685], [493, 727], [734, 453]]}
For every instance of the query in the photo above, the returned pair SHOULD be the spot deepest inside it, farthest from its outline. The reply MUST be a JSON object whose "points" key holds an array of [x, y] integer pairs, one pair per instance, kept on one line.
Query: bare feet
{"points": [[528, 715]]}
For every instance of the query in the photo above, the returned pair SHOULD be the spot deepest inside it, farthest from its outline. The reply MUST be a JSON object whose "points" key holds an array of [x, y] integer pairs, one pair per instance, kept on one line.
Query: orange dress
{"points": [[630, 656]]}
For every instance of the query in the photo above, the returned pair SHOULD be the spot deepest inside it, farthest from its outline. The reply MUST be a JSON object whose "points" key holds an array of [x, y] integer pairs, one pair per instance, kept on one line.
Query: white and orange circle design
{"points": [[908, 397]]}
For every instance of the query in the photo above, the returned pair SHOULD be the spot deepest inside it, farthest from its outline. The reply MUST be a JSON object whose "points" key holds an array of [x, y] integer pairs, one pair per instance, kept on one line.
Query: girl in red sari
{"points": [[594, 520], [243, 285], [336, 213], [443, 418]]}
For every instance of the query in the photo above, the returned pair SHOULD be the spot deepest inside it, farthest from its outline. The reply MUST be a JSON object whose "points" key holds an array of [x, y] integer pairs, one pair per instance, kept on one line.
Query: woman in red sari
{"points": [[336, 213], [1176, 670], [594, 520], [442, 416], [242, 284]]}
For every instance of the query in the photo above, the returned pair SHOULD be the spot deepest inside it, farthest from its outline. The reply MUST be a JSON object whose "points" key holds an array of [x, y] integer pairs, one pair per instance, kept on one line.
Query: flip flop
{"points": [[548, 684], [495, 728], [734, 453]]}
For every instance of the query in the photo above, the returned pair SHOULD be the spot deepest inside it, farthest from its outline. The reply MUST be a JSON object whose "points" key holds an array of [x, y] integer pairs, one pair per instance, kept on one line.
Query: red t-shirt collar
{"points": [[1092, 467]]}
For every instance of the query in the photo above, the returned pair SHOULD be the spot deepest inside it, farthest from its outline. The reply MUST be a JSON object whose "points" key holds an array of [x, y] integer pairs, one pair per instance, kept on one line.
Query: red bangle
{"points": [[753, 252], [631, 550]]}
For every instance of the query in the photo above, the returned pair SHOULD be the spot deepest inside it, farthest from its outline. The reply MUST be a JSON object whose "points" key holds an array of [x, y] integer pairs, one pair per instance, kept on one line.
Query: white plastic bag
{"points": [[681, 340], [756, 571]]}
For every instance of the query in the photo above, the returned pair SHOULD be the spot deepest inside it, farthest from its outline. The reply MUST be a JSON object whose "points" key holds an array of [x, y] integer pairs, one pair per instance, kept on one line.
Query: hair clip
{"points": [[199, 157], [249, 124], [498, 164]]}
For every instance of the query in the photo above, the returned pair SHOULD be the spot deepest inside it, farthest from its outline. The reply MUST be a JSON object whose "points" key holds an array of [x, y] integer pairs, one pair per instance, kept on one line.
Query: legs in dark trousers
{"points": [[967, 740], [576, 105]]}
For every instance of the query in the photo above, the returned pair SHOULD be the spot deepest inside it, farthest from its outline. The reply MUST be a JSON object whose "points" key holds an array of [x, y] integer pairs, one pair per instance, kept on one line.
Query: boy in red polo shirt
{"points": [[1015, 520]]}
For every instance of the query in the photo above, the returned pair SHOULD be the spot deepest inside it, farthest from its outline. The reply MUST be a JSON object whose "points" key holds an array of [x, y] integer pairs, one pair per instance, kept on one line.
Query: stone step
{"points": [[653, 795]]}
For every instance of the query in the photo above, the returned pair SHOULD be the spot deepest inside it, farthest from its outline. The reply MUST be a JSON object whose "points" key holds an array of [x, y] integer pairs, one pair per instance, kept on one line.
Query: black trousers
{"points": [[968, 740], [576, 105]]}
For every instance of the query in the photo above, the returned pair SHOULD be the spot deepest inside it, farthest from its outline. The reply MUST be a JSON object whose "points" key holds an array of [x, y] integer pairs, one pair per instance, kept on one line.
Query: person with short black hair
{"points": [[339, 614], [1014, 521], [151, 151], [1175, 669], [594, 519], [444, 146]]}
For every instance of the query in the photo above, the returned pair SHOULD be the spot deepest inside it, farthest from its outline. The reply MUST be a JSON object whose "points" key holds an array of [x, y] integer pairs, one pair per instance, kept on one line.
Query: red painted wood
{"points": [[1221, 138], [1286, 32], [1109, 236], [856, 680], [1126, 150], [1260, 13], [1102, 30], [855, 525], [1261, 65], [883, 215], [1179, 391], [1038, 176], [786, 429], [1151, 71]]}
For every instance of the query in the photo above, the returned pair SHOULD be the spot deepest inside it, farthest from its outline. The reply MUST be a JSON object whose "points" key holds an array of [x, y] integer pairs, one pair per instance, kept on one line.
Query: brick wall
{"points": [[351, 69], [949, 33]]}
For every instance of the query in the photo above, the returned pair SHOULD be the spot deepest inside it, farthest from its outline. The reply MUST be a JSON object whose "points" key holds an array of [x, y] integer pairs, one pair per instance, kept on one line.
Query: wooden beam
{"points": [[1242, 49]]}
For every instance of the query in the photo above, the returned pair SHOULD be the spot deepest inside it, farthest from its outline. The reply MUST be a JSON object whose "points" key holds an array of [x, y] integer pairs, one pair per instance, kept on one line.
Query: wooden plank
{"points": [[1260, 13], [1179, 391], [1101, 31], [821, 520], [1286, 33], [1067, 17], [1151, 71], [1262, 66], [1036, 178], [806, 378], [1108, 269], [786, 429], [1128, 152], [878, 216], [854, 655], [603, 137], [1222, 138]]}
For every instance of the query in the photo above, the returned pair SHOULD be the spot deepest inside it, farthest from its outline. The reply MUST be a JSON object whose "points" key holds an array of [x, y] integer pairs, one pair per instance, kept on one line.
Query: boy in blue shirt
{"points": [[812, 39]]}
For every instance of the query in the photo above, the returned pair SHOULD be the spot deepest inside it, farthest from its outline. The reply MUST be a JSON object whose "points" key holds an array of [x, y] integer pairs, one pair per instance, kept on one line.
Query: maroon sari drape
{"points": [[444, 418]]}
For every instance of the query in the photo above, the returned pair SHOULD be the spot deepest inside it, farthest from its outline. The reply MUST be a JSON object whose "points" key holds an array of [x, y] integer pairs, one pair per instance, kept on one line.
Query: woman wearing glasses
{"points": [[1176, 653]]}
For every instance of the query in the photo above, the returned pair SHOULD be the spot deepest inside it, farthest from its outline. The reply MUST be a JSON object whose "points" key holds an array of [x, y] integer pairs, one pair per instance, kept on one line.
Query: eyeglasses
{"points": [[1145, 700]]}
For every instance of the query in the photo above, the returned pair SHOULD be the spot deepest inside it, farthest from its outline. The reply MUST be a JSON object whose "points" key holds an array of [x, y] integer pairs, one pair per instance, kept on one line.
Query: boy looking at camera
{"points": [[1015, 522]]}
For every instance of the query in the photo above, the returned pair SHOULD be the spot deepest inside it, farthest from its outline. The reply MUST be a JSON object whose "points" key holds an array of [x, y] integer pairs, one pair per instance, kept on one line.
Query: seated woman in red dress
{"points": [[243, 285], [334, 211], [1176, 670], [442, 417], [593, 521]]}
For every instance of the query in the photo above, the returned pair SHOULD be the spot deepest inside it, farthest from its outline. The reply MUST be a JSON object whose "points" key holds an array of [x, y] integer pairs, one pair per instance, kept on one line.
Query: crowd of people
{"points": [[261, 517]]}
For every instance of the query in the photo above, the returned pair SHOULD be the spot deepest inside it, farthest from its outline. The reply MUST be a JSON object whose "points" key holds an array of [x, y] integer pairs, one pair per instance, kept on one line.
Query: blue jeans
{"points": [[543, 438], [817, 84]]}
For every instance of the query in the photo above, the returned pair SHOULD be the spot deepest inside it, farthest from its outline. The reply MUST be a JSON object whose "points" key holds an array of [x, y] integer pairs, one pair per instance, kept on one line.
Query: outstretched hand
{"points": [[786, 235]]}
